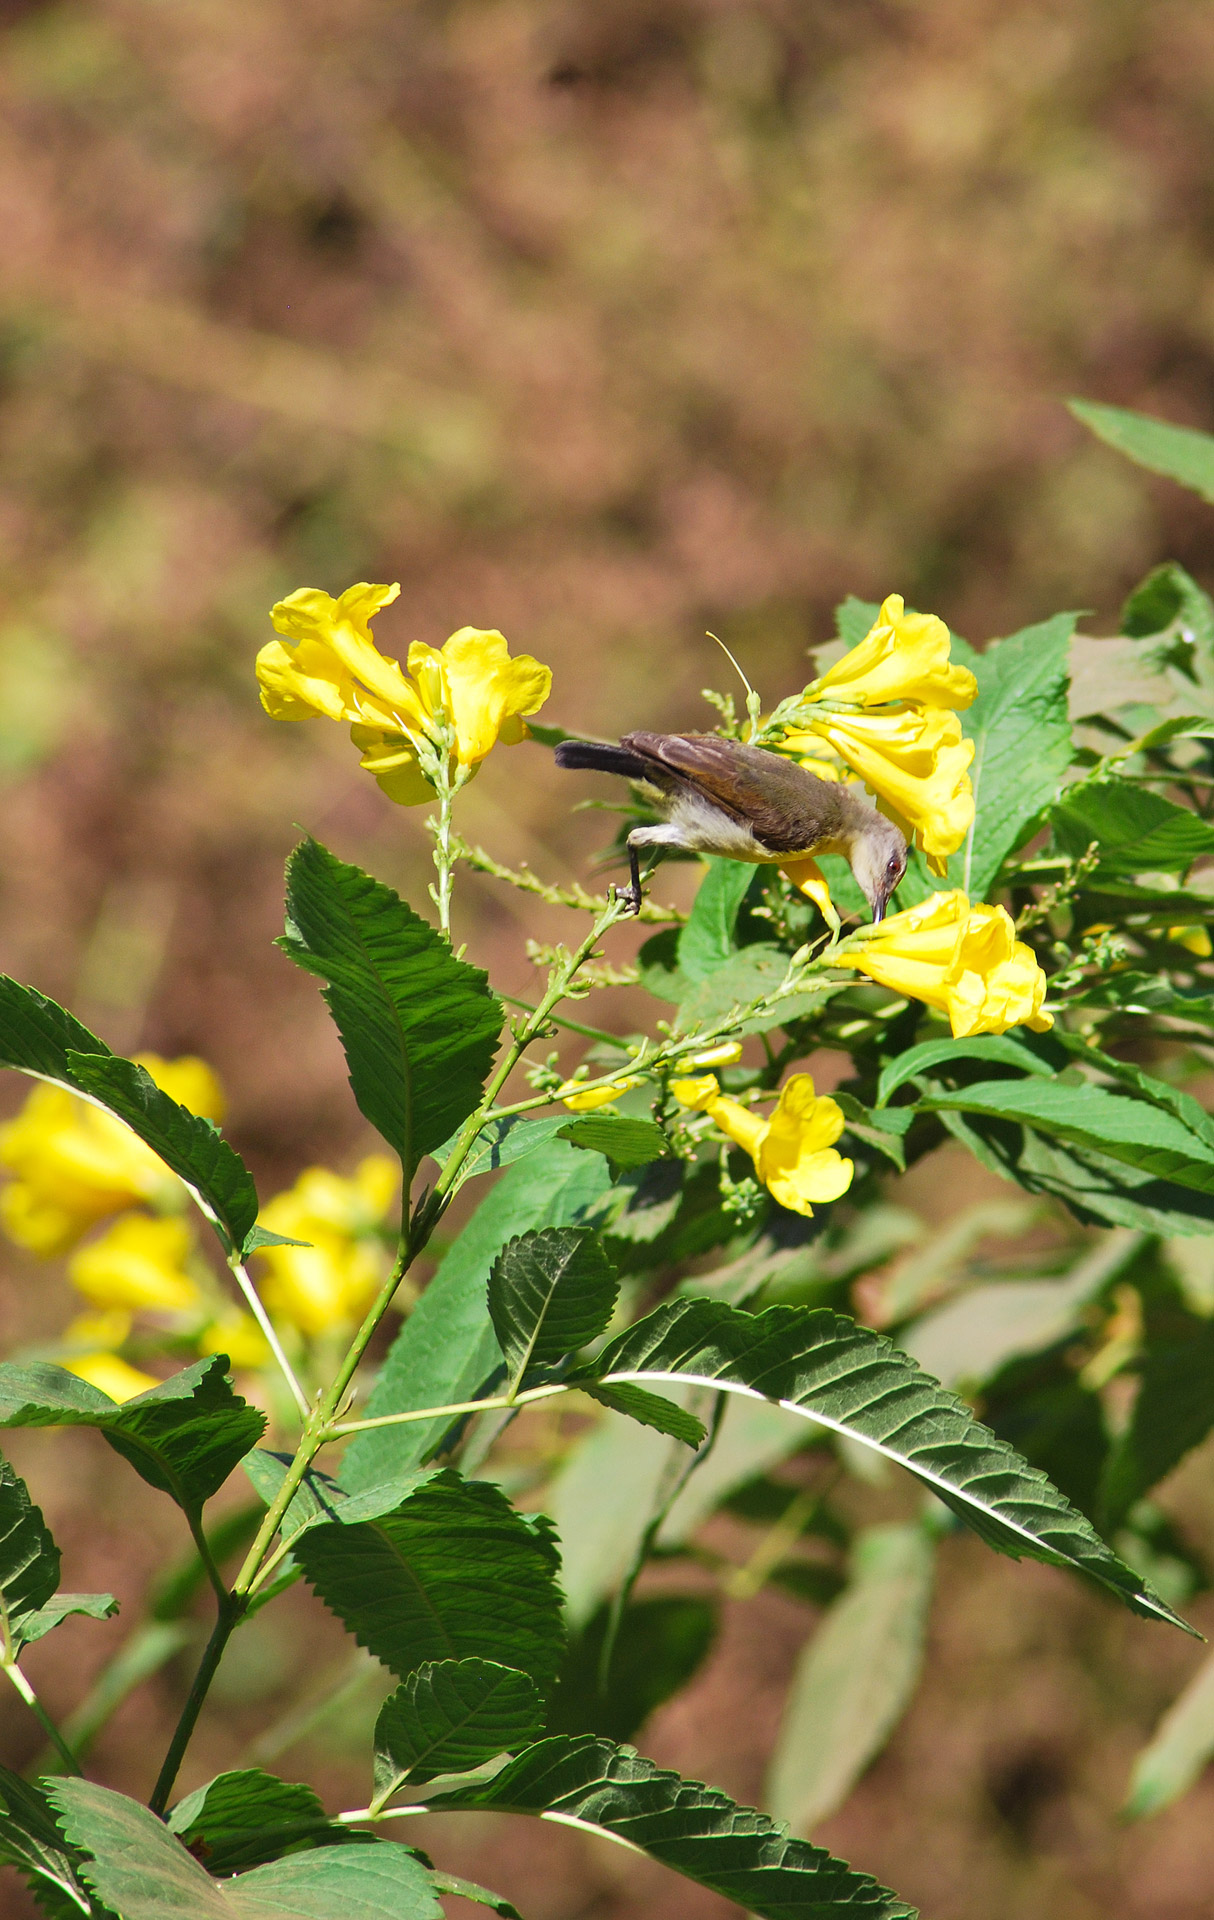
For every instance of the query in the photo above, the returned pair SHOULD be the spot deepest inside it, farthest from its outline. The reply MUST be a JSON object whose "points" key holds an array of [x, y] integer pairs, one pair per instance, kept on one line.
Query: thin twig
{"points": [[574, 896]]}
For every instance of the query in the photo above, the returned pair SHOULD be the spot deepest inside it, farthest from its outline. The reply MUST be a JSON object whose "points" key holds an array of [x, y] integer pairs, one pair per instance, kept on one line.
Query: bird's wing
{"points": [[788, 809]]}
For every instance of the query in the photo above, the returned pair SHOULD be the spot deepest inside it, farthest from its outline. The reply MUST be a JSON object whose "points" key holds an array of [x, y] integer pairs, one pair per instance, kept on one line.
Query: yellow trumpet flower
{"points": [[793, 1151], [886, 711], [74, 1165], [331, 1281], [963, 959], [459, 700], [138, 1264], [903, 656]]}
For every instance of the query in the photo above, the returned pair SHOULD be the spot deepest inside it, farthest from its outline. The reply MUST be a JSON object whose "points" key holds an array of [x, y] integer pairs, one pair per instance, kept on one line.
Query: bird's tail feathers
{"points": [[601, 757]]}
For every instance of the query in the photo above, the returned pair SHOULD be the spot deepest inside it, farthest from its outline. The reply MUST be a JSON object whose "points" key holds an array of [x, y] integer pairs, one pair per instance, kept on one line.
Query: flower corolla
{"points": [[793, 1151]]}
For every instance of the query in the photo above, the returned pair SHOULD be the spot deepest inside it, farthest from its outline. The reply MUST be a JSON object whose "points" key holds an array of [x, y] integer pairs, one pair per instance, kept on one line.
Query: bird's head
{"points": [[878, 860]]}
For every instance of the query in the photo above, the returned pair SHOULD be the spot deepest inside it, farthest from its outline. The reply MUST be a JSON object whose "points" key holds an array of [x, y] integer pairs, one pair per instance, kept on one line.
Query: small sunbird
{"points": [[745, 803]]}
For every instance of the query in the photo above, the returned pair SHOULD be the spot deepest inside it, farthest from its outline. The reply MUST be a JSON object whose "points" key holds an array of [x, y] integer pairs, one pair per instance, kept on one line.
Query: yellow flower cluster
{"points": [[793, 1151], [887, 710], [74, 1165], [963, 959], [332, 1281], [454, 703]]}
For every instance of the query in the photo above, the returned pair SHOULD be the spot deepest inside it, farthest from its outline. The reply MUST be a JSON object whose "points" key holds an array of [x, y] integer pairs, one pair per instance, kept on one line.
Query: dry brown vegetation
{"points": [[605, 323]]}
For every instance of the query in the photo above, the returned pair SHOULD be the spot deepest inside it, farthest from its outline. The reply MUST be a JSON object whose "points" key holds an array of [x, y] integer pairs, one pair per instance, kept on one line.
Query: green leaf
{"points": [[652, 1410], [503, 1142], [242, 1819], [855, 1678], [1099, 1190], [1137, 831], [550, 1293], [854, 619], [1157, 1092], [448, 1573], [31, 1842], [754, 974], [698, 1831], [419, 1027], [997, 1048], [193, 1147], [37, 1035], [44, 1620], [710, 935], [854, 1382], [1179, 453], [1147, 1138], [454, 1883], [1022, 745], [661, 1643], [447, 1348], [29, 1558], [145, 1873], [183, 1436], [624, 1141], [1170, 597], [1179, 1749], [1173, 1413], [451, 1716]]}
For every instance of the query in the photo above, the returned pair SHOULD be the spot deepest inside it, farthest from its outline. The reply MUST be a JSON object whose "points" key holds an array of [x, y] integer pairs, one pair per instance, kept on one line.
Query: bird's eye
{"points": [[894, 870]]}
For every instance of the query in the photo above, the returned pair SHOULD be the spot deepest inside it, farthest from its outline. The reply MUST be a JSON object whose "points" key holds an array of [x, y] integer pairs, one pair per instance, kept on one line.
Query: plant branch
{"points": [[228, 1618], [41, 1715], [574, 896], [245, 1282]]}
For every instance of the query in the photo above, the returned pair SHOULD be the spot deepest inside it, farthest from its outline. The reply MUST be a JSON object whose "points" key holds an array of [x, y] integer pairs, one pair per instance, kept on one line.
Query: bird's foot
{"points": [[630, 897]]}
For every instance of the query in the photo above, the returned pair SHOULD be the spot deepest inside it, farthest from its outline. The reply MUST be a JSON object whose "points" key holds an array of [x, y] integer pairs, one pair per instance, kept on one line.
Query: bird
{"points": [[746, 803]]}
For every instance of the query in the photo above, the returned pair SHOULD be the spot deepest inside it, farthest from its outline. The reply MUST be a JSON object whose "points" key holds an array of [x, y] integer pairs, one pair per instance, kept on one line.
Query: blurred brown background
{"points": [[605, 322]]}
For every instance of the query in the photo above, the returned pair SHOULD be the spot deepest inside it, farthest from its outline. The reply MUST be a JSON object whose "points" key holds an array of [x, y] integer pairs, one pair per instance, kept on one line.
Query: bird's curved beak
{"points": [[879, 905]]}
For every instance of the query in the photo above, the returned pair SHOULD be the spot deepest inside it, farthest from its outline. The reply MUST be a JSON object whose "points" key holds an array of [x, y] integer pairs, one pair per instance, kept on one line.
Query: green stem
{"points": [[244, 1281], [41, 1716], [228, 1619], [443, 862], [450, 1412], [321, 1423]]}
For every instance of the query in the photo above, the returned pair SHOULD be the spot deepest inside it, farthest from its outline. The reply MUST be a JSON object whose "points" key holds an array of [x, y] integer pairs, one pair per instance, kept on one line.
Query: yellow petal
{"points": [[300, 683], [391, 758], [915, 760], [796, 1161], [485, 688], [579, 1101], [726, 1054], [138, 1265], [111, 1375], [904, 656], [337, 662], [698, 1092]]}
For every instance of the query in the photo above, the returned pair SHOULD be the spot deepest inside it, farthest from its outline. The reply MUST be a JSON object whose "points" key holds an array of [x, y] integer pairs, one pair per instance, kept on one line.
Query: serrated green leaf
{"points": [[855, 1677], [447, 1349], [1179, 1749], [451, 1716], [183, 1436], [192, 1146], [709, 937], [244, 1818], [1136, 830], [652, 1410], [1147, 1138], [660, 1643], [1179, 453], [626, 1142], [1173, 1413], [29, 1558], [317, 1498], [31, 1842], [999, 1048], [145, 1873], [697, 1830], [1022, 745], [419, 1027], [36, 1034], [550, 1293], [449, 1573], [262, 1237], [62, 1606], [855, 1382], [1159, 1093], [503, 1142]]}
